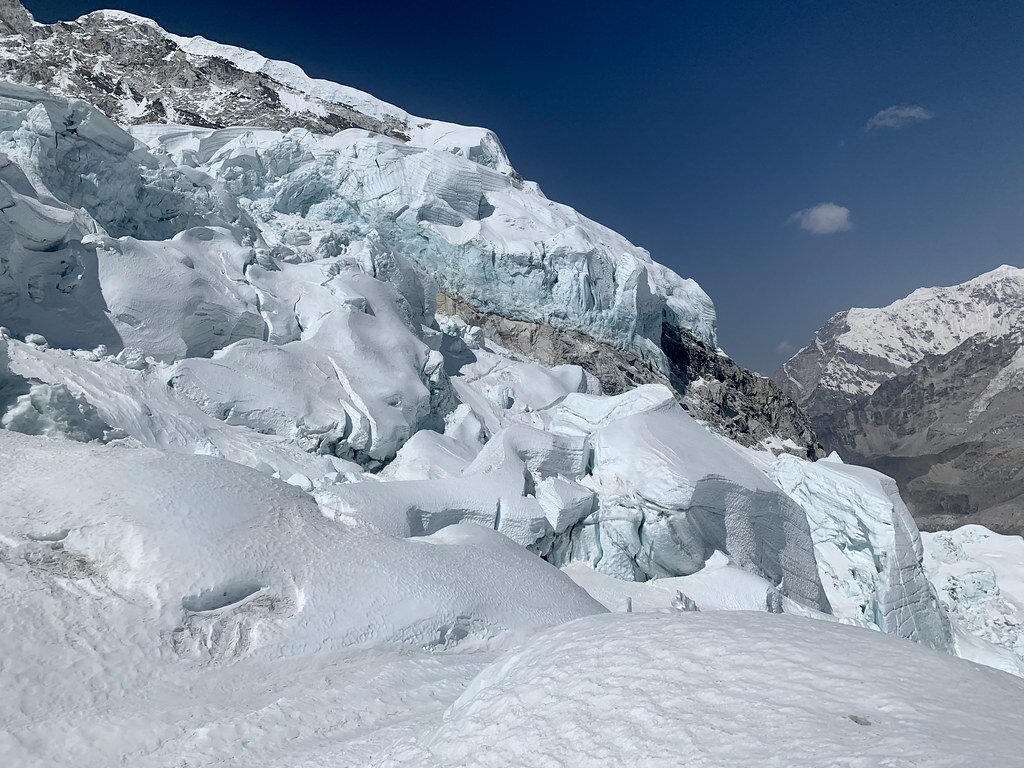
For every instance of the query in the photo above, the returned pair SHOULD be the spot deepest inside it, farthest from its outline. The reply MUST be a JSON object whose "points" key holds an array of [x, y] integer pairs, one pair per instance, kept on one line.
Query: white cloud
{"points": [[785, 347], [823, 219], [898, 116]]}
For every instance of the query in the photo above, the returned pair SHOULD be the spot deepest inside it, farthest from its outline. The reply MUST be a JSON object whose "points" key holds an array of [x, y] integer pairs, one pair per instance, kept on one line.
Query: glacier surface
{"points": [[262, 503]]}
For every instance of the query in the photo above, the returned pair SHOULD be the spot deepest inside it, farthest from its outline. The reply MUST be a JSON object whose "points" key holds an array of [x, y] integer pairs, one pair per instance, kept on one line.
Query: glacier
{"points": [[265, 499]]}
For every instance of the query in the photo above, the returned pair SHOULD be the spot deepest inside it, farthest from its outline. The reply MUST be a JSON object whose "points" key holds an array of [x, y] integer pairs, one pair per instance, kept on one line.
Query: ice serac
{"points": [[76, 191], [929, 390], [867, 547], [670, 494], [629, 484]]}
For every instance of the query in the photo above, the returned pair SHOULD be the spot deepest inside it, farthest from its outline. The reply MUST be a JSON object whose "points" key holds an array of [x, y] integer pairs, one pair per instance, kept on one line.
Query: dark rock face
{"points": [[748, 408], [948, 432], [14, 18], [135, 74]]}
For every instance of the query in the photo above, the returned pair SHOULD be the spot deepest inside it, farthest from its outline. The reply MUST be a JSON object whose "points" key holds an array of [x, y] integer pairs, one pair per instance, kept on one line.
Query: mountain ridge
{"points": [[927, 389]]}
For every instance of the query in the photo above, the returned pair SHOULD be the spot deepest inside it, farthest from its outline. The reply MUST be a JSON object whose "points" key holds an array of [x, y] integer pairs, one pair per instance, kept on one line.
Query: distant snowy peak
{"points": [[137, 72], [859, 349], [932, 321], [929, 390]]}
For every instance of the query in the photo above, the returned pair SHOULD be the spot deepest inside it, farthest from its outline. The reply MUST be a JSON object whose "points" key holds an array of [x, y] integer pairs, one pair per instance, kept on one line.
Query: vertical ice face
{"points": [[670, 493], [492, 240], [867, 546]]}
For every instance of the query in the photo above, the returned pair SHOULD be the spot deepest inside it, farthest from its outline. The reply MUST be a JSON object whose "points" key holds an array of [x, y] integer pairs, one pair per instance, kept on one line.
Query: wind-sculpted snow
{"points": [[724, 690], [138, 568], [867, 547]]}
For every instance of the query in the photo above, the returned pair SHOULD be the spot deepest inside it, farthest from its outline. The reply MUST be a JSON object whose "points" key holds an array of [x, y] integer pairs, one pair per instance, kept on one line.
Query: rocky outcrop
{"points": [[750, 408], [14, 18], [742, 405], [136, 73]]}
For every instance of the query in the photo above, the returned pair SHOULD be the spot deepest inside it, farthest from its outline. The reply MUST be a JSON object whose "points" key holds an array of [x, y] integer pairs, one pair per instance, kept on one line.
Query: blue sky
{"points": [[701, 130]]}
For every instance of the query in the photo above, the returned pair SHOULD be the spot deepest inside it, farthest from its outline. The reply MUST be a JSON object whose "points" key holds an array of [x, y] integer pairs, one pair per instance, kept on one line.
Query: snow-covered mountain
{"points": [[859, 349], [297, 469], [504, 256], [929, 389]]}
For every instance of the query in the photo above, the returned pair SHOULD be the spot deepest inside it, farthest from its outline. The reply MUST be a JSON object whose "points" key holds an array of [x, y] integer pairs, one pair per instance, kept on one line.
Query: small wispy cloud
{"points": [[823, 219], [785, 347], [898, 116]]}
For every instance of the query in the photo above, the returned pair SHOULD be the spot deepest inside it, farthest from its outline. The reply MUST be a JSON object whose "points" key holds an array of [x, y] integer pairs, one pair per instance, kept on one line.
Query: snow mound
{"points": [[174, 533], [145, 571], [721, 690]]}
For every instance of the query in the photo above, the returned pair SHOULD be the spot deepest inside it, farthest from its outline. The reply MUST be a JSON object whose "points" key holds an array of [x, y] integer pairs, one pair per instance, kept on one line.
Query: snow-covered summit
{"points": [[858, 349], [137, 72]]}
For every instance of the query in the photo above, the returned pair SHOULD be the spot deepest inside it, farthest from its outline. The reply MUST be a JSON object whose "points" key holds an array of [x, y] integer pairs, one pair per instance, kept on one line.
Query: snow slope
{"points": [[136, 576], [725, 689]]}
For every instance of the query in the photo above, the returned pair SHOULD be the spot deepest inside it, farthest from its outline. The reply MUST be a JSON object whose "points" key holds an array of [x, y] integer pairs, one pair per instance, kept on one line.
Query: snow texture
{"points": [[133, 572], [979, 577], [725, 689]]}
